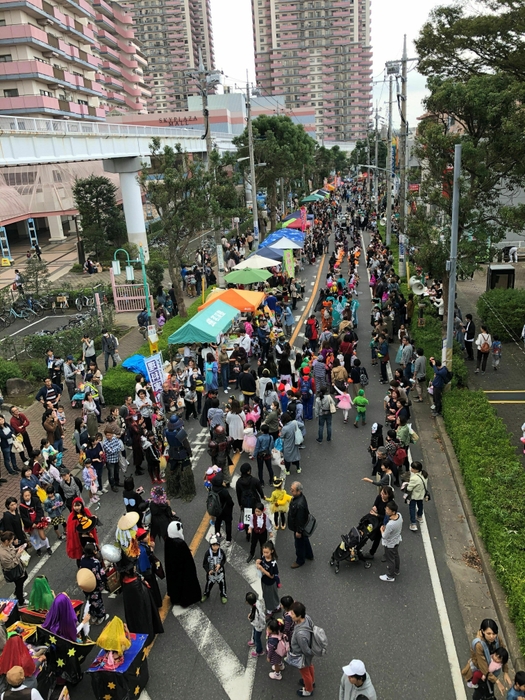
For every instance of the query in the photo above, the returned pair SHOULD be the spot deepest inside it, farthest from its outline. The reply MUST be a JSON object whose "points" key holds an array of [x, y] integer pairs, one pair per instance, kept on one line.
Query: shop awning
{"points": [[206, 326], [269, 253], [256, 262], [240, 299]]}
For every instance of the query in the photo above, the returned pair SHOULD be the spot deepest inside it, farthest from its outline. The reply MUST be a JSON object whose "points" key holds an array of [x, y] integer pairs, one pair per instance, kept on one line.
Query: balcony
{"points": [[121, 16], [79, 7], [37, 104], [104, 8], [115, 97]]}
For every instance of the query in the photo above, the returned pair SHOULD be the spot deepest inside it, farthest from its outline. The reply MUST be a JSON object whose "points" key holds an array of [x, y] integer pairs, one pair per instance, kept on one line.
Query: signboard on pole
{"points": [[155, 373], [288, 263], [413, 188]]}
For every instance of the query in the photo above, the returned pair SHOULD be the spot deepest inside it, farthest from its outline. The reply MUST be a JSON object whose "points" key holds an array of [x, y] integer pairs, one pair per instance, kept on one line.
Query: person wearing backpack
{"points": [[359, 376], [441, 377], [484, 345], [311, 332], [277, 647], [301, 648], [306, 389], [225, 502], [109, 347], [323, 411], [416, 493], [263, 453], [249, 491]]}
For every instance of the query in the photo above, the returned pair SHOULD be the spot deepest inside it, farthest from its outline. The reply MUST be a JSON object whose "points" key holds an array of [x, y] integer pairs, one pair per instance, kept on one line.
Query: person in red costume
{"points": [[80, 529]]}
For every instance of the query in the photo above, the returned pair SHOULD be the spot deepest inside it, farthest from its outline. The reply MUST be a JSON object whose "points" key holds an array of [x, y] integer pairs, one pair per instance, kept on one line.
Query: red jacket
{"points": [[19, 423], [313, 323]]}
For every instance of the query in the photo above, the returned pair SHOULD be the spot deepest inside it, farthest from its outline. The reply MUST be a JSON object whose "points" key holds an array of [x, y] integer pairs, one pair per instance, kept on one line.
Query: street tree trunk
{"points": [[174, 267]]}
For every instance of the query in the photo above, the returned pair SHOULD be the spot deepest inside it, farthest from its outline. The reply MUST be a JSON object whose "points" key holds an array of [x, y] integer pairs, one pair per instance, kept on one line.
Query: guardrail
{"points": [[87, 128]]}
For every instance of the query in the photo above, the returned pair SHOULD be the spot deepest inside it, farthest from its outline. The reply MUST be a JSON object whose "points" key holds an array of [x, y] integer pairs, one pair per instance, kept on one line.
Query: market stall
{"points": [[206, 326], [241, 299]]}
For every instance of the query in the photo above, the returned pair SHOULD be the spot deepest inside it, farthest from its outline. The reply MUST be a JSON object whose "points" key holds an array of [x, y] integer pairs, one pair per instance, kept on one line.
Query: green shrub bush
{"points": [[495, 483], [503, 310], [117, 384], [34, 370], [8, 370]]}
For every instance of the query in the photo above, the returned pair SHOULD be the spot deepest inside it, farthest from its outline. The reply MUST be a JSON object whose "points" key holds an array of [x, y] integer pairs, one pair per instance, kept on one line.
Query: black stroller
{"points": [[351, 545]]}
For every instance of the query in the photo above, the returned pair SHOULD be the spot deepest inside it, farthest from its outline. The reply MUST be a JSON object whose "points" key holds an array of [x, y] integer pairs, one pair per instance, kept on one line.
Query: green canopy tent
{"points": [[313, 198], [206, 326], [247, 276]]}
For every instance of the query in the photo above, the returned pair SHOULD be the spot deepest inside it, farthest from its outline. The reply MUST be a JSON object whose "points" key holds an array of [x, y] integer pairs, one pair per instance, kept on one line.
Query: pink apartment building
{"points": [[171, 33], [317, 53], [69, 59]]}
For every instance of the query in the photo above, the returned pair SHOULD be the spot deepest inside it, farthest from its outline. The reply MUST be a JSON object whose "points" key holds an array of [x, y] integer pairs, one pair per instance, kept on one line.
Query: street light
{"points": [[130, 272]]}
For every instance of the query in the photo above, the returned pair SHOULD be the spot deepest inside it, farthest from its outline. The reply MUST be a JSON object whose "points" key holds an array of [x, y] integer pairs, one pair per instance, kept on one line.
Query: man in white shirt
{"points": [[15, 679], [245, 342]]}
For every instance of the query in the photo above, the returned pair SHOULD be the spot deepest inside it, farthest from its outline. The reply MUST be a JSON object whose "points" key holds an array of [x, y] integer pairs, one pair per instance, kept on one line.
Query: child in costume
{"points": [[213, 564], [54, 508], [250, 439], [279, 503], [89, 477]]}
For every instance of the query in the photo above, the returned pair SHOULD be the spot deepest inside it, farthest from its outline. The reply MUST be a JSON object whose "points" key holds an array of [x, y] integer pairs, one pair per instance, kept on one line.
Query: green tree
{"points": [[364, 151], [181, 193], [36, 277], [225, 194], [488, 121], [459, 40], [327, 162], [288, 153], [103, 225]]}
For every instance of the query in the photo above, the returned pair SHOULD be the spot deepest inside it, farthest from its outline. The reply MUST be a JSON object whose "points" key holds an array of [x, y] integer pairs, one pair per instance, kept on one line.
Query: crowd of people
{"points": [[255, 393]]}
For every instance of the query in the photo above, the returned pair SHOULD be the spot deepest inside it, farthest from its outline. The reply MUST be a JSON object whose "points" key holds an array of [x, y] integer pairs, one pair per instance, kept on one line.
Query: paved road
{"points": [[22, 327], [396, 628]]}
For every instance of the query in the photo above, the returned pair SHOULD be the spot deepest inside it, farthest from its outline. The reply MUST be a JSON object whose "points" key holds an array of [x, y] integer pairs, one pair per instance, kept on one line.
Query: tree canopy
{"points": [[288, 153], [103, 225]]}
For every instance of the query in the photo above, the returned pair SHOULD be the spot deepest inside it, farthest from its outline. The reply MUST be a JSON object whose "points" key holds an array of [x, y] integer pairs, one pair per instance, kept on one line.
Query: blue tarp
{"points": [[290, 233], [136, 364]]}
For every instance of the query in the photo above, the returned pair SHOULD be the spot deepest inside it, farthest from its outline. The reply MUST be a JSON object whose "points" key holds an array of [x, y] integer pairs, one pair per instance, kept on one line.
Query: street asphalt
{"points": [[395, 628]]}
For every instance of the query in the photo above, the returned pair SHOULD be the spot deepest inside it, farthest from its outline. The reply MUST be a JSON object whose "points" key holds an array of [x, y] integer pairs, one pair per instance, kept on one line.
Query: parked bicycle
{"points": [[83, 300]]}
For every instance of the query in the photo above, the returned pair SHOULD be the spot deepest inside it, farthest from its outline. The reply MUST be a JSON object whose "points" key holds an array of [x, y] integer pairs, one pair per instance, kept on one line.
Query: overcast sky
{"points": [[232, 32]]}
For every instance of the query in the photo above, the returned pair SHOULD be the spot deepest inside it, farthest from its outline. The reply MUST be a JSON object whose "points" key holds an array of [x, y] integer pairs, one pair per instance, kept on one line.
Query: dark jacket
{"points": [[12, 522], [224, 495], [6, 438], [36, 503], [298, 513], [249, 491], [247, 383], [161, 516]]}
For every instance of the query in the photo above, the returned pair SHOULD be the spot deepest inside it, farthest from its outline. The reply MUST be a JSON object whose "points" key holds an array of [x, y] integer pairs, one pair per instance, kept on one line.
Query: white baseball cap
{"points": [[354, 668], [214, 540]]}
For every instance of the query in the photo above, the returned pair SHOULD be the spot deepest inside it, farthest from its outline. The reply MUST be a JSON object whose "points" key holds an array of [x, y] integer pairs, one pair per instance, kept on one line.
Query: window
{"points": [[11, 93], [2, 22], [6, 58], [46, 93], [83, 102]]}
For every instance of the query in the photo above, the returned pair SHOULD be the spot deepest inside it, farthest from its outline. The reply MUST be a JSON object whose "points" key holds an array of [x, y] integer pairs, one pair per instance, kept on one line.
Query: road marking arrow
{"points": [[236, 679]]}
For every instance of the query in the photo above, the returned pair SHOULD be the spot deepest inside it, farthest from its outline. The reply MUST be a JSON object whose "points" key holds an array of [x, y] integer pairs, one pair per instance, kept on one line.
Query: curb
{"points": [[496, 591]]}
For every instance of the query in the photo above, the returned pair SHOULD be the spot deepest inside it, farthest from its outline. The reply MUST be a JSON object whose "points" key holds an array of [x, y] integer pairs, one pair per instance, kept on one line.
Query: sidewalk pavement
{"points": [[510, 375]]}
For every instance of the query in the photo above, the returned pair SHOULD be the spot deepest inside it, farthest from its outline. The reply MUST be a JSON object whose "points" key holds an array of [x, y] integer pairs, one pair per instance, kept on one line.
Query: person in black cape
{"points": [[142, 615], [183, 586]]}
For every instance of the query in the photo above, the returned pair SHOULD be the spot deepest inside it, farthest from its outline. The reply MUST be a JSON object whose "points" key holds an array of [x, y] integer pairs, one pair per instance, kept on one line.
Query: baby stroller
{"points": [[351, 545]]}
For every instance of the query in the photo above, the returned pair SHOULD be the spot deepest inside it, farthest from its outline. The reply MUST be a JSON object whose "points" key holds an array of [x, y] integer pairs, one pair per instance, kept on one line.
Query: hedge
{"points": [[119, 383], [503, 312], [495, 483], [8, 370]]}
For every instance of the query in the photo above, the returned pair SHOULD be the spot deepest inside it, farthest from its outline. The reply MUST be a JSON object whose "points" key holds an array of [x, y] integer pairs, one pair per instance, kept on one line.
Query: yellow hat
{"points": [[113, 637]]}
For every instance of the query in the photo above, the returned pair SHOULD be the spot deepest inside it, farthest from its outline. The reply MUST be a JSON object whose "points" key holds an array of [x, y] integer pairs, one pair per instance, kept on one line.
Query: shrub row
{"points": [[503, 312], [118, 382], [495, 483]]}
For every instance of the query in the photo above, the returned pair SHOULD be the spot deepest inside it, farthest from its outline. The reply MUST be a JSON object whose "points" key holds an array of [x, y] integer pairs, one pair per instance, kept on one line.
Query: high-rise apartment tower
{"points": [[318, 53], [69, 59], [171, 33]]}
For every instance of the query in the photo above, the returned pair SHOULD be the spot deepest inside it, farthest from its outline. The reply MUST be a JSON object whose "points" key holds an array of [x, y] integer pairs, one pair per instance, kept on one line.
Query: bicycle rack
{"points": [[4, 245], [31, 229]]}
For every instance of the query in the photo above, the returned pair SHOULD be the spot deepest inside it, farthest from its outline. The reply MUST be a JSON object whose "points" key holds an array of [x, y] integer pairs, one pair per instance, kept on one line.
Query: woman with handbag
{"points": [[35, 522], [417, 493], [323, 408], [12, 568], [7, 438]]}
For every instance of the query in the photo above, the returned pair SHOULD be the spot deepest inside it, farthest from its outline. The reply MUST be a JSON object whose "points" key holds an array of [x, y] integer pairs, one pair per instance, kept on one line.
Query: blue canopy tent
{"points": [[270, 253], [291, 234], [206, 326]]}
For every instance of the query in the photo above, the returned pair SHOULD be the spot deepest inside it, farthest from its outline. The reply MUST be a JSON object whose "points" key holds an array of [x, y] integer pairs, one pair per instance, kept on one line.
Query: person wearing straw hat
{"points": [[92, 579]]}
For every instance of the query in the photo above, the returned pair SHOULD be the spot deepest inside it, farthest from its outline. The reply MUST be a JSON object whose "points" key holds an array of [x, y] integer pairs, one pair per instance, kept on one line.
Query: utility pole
{"points": [[205, 79], [403, 136], [389, 166], [451, 264], [252, 164], [376, 162]]}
